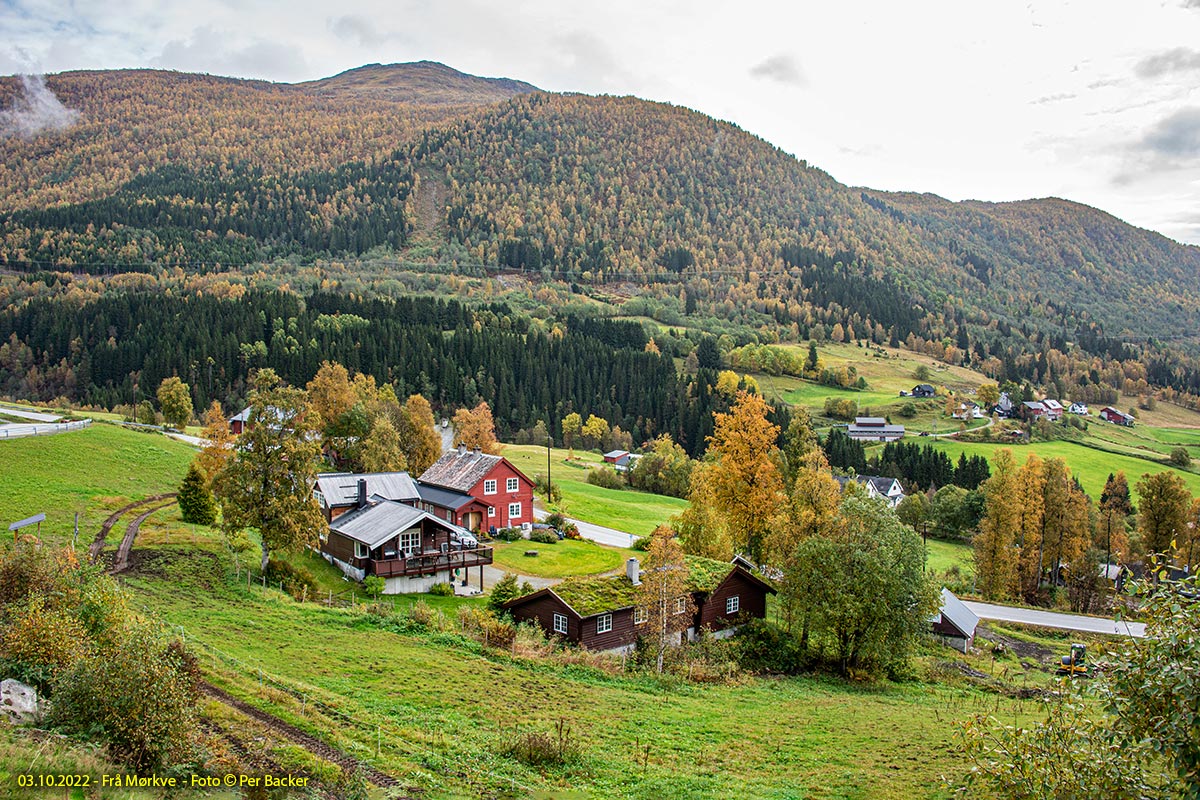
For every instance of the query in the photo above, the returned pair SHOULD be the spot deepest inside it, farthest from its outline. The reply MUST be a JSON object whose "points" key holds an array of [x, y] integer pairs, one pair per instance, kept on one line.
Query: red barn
{"points": [[494, 484]]}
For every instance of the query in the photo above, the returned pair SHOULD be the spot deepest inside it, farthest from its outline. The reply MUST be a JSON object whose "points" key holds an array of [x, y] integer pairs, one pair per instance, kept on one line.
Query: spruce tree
{"points": [[196, 503]]}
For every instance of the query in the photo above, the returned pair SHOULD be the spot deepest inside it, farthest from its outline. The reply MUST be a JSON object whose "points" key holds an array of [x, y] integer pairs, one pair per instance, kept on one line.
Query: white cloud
{"points": [[37, 110], [781, 68]]}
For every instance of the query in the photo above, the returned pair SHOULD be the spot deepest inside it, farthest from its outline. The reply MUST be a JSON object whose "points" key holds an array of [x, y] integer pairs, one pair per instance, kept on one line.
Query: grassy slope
{"points": [[446, 709], [624, 509], [1091, 466], [93, 471]]}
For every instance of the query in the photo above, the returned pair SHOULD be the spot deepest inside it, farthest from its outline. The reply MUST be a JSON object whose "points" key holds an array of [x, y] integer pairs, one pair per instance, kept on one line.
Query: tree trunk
{"points": [[266, 559]]}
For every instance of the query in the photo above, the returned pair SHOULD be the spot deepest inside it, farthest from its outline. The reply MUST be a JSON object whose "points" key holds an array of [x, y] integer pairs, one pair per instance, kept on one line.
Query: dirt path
{"points": [[102, 537], [305, 740], [121, 562]]}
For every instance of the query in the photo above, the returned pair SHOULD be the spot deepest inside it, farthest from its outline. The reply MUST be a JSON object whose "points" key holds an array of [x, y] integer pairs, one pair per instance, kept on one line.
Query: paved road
{"points": [[9, 411], [1052, 619], [17, 430], [596, 533], [195, 441]]}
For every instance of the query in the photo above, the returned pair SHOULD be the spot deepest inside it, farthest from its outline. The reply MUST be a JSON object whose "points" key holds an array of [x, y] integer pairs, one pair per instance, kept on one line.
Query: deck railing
{"points": [[430, 562]]}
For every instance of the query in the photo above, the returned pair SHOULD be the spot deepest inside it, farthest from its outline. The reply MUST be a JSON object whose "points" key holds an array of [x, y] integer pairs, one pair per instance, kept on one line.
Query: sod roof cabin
{"points": [[601, 613]]}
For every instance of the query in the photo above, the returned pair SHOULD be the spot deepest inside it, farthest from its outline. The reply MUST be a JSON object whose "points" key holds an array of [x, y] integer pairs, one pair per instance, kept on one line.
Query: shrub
{"points": [[547, 489], [761, 646], [543, 536], [641, 543], [556, 520], [139, 696], [606, 478], [442, 589], [1180, 457], [374, 585], [297, 581], [486, 628], [908, 410], [508, 534], [571, 531], [537, 749]]}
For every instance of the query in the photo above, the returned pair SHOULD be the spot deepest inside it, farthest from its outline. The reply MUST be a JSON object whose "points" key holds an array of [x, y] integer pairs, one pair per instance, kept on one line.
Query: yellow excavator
{"points": [[1075, 665]]}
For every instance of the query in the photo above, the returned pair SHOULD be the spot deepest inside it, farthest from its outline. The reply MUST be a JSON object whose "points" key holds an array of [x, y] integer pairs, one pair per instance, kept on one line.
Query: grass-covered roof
{"points": [[596, 595]]}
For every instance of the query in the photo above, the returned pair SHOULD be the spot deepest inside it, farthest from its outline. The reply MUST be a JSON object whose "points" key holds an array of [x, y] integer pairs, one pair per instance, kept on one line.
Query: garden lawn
{"points": [[626, 510], [562, 560], [944, 555]]}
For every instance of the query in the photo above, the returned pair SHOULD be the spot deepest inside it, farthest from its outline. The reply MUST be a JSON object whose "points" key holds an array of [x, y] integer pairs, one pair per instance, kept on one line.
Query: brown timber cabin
{"points": [[409, 548], [601, 613]]}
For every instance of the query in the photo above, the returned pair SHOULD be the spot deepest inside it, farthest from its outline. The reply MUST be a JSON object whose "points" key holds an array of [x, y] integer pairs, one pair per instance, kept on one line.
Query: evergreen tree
{"points": [[196, 504]]}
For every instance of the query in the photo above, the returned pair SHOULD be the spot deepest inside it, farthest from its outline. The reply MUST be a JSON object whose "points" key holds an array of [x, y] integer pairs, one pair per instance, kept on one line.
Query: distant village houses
{"points": [[888, 490]]}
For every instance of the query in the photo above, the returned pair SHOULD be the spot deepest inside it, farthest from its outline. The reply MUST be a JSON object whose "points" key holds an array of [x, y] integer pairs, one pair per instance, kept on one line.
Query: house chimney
{"points": [[633, 571], [462, 449], [478, 451], [362, 492]]}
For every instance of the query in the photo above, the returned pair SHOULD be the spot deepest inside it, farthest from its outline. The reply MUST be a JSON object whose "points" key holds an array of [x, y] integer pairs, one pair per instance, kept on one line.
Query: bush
{"points": [[442, 589], [547, 489], [374, 585], [605, 477], [1180, 457], [297, 581], [641, 543], [139, 696], [543, 536], [908, 410], [556, 520], [762, 646], [508, 534], [570, 530]]}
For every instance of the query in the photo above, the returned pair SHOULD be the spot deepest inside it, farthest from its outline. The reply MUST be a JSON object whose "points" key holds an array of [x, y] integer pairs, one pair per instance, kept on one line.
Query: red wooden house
{"points": [[482, 491], [1116, 416], [601, 613]]}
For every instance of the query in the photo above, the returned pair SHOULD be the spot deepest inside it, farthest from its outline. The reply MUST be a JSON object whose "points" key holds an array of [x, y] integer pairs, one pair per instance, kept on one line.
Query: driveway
{"points": [[596, 533], [22, 413], [1054, 619]]}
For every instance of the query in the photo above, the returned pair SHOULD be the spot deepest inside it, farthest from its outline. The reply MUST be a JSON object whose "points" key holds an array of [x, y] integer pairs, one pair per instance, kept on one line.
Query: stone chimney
{"points": [[478, 451], [462, 449], [633, 571], [362, 492]]}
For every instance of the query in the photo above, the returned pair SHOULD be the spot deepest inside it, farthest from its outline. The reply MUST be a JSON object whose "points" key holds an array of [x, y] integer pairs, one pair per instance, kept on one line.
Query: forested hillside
{"points": [[695, 215]]}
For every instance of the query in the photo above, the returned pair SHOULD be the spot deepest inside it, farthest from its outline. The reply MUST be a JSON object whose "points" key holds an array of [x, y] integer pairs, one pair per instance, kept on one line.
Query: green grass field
{"points": [[445, 708], [564, 559], [1090, 465], [93, 471], [623, 509], [945, 555]]}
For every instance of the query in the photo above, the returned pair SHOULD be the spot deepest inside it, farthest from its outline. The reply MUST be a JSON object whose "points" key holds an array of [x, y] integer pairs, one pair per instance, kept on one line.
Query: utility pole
{"points": [[549, 443]]}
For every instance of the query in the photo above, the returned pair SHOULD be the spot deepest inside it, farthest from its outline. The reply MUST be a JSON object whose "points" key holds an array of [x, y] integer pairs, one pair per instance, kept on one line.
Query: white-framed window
{"points": [[604, 623], [361, 550], [680, 605], [640, 615], [410, 540], [733, 604], [491, 511], [560, 623], [512, 485], [514, 511], [489, 487]]}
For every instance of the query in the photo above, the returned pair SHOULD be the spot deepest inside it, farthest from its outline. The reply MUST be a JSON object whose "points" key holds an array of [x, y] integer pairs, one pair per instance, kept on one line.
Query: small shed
{"points": [[954, 623]]}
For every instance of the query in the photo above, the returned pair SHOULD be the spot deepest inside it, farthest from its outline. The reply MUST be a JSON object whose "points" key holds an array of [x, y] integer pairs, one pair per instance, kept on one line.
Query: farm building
{"points": [[601, 613], [954, 623], [874, 429], [1116, 416]]}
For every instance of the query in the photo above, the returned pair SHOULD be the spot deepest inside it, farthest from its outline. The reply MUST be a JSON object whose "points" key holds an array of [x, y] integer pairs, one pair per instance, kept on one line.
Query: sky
{"points": [[1096, 101]]}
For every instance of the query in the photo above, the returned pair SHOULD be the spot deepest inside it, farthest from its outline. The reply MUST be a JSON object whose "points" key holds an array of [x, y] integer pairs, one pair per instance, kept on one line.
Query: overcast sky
{"points": [[1096, 101]]}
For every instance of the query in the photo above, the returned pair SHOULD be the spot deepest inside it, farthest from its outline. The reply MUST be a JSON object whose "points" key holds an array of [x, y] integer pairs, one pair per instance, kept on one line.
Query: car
{"points": [[924, 433]]}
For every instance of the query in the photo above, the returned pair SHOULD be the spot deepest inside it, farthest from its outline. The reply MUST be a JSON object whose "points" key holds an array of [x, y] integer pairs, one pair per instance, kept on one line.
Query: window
{"points": [[361, 550], [491, 511], [410, 540], [680, 605], [733, 604], [640, 615], [489, 487], [512, 485], [514, 511], [604, 623], [560, 623]]}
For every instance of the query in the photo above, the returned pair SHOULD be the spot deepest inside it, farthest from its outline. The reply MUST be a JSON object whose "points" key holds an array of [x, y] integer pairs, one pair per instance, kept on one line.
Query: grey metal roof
{"points": [[446, 498], [957, 614], [870, 421], [341, 488], [875, 430], [374, 525], [616, 453], [459, 470]]}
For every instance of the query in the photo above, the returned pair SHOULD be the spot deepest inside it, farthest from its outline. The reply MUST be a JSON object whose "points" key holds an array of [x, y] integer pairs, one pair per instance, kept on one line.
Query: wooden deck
{"points": [[429, 563]]}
